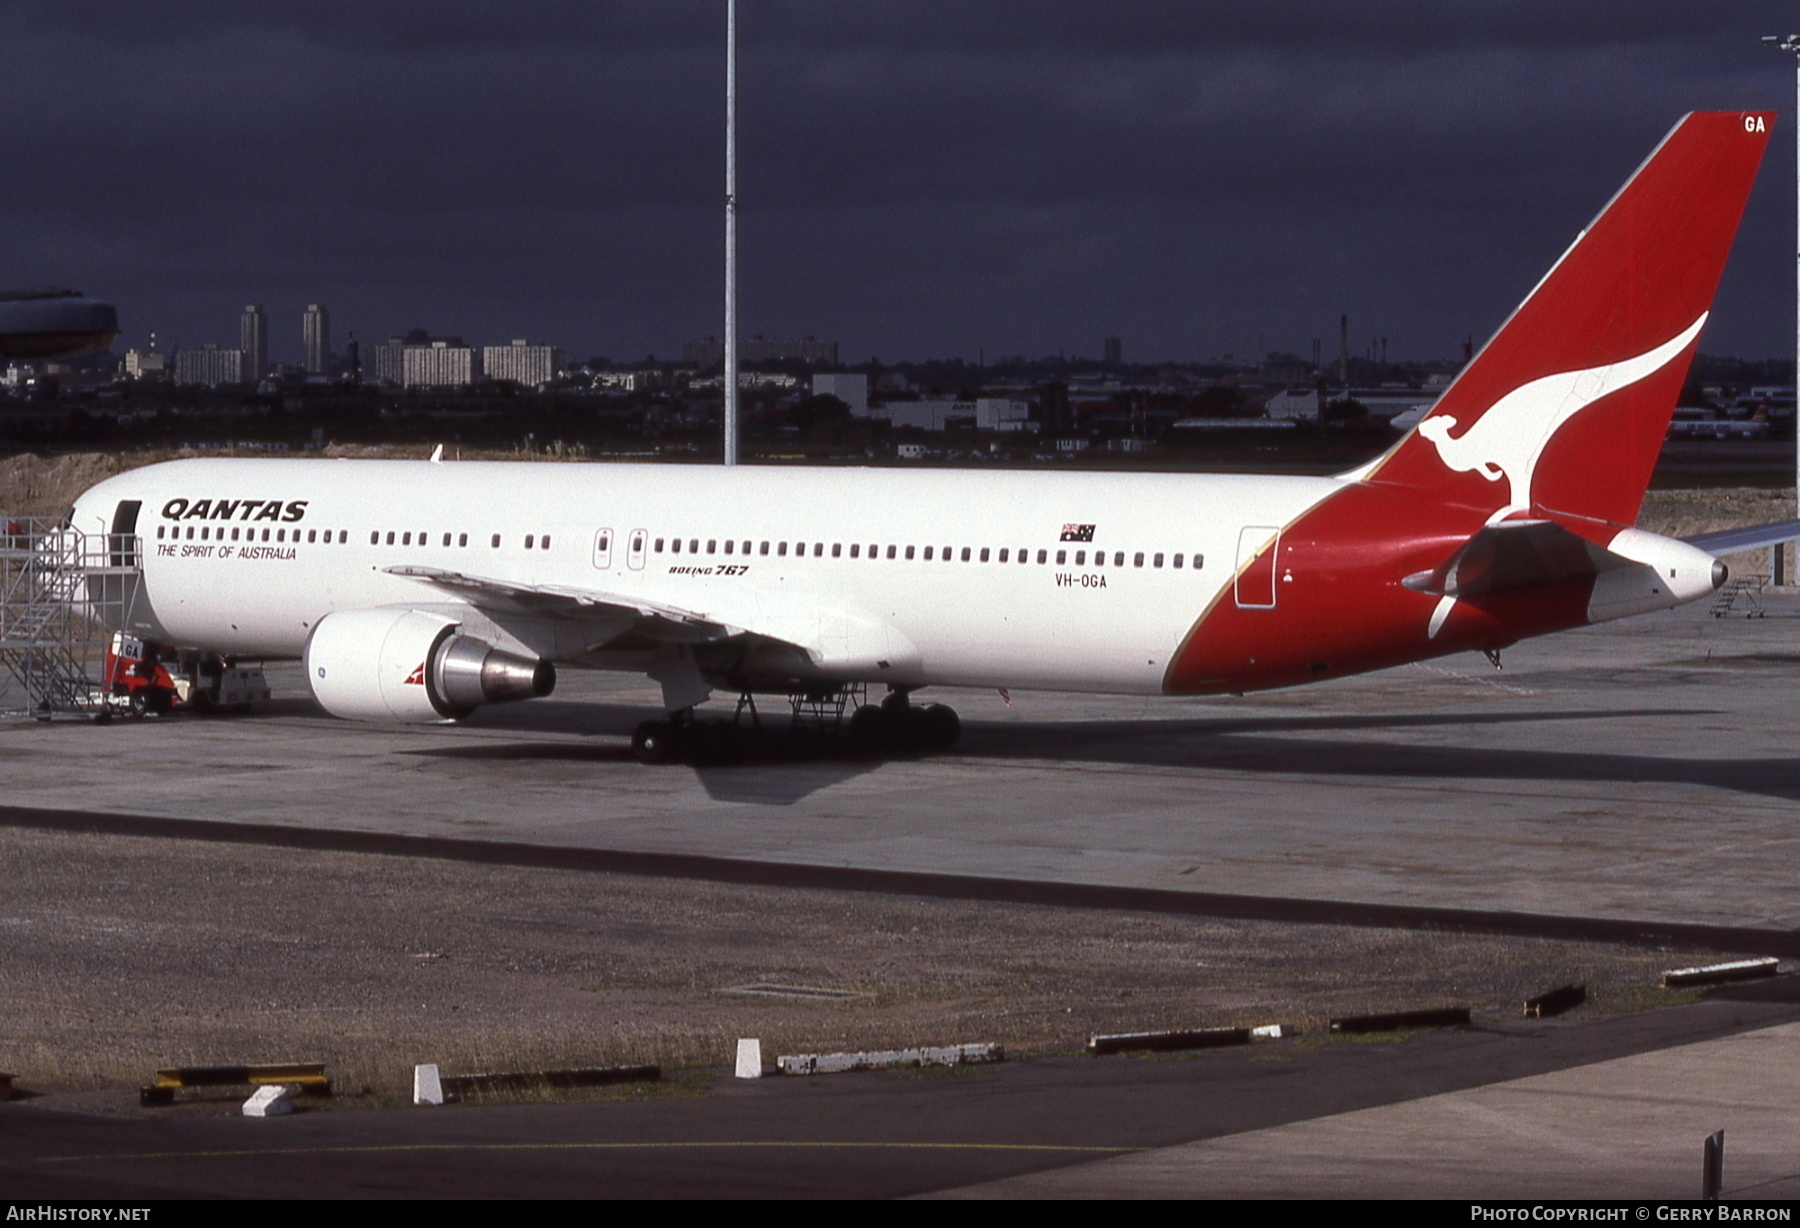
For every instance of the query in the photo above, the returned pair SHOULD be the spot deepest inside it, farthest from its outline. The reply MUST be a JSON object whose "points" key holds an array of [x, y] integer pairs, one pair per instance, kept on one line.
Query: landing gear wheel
{"points": [[941, 726], [657, 742], [869, 728]]}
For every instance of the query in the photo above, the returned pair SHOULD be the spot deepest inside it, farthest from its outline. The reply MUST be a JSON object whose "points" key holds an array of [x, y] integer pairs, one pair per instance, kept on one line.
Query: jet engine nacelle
{"points": [[389, 664]]}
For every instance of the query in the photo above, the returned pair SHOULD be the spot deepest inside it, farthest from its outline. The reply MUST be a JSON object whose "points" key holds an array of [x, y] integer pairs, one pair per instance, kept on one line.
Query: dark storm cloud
{"points": [[917, 178]]}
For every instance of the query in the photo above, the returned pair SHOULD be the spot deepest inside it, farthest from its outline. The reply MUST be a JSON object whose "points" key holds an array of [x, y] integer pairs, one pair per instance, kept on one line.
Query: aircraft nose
{"points": [[1720, 573]]}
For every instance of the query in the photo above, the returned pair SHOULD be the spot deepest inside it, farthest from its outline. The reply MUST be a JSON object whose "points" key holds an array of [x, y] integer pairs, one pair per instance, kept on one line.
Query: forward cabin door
{"points": [[603, 549], [1257, 548]]}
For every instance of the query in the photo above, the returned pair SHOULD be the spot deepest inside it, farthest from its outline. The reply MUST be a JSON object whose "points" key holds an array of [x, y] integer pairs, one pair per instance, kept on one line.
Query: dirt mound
{"points": [[47, 485]]}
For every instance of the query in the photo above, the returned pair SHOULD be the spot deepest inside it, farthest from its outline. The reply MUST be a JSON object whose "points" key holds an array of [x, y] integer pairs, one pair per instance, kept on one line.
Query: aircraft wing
{"points": [[654, 619], [1730, 541]]}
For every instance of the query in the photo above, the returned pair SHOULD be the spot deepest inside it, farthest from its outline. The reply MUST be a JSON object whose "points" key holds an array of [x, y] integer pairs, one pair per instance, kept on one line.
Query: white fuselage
{"points": [[931, 560]]}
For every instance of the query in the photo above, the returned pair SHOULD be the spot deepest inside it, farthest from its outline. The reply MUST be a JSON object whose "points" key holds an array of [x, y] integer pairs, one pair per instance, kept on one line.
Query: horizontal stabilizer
{"points": [[1514, 554], [1750, 537]]}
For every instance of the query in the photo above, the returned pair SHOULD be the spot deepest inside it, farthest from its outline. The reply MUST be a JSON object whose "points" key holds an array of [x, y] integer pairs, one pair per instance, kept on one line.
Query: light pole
{"points": [[1791, 43], [731, 356]]}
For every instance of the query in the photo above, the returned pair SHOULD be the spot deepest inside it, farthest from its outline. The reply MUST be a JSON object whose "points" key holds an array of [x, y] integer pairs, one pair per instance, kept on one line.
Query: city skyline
{"points": [[921, 181]]}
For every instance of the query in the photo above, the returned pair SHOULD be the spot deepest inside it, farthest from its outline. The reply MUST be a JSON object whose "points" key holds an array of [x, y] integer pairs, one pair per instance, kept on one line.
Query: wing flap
{"points": [[656, 619]]}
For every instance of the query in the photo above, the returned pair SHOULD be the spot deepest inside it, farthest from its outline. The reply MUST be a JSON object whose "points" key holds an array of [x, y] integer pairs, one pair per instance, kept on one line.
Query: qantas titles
{"points": [[240, 509]]}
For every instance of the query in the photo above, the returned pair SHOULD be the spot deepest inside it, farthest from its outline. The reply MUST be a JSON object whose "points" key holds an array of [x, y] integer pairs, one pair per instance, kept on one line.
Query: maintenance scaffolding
{"points": [[62, 595]]}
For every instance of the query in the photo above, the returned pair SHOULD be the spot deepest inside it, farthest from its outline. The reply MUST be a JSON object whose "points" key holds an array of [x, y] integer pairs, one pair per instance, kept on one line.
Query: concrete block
{"points": [[1715, 974], [749, 1059], [1274, 1031], [270, 1101], [880, 1059], [428, 1088]]}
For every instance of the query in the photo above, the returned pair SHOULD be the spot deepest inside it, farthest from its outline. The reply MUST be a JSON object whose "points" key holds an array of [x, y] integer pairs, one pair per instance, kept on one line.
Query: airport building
{"points": [[522, 362], [852, 390]]}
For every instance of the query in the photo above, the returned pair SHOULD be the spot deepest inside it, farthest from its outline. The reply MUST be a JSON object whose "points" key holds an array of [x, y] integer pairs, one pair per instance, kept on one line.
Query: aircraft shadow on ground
{"points": [[1252, 745], [1234, 745]]}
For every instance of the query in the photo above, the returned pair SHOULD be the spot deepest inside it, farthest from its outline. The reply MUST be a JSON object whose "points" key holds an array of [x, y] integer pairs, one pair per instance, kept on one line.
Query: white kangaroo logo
{"points": [[1510, 438]]}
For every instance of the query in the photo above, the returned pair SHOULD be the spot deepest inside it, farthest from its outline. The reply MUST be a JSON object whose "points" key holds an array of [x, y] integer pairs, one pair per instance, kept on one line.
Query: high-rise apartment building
{"points": [[253, 340], [316, 327], [522, 362], [444, 363], [209, 365]]}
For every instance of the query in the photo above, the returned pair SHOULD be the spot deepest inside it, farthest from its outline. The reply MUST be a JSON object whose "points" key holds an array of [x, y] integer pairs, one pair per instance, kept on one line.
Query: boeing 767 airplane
{"points": [[417, 591]]}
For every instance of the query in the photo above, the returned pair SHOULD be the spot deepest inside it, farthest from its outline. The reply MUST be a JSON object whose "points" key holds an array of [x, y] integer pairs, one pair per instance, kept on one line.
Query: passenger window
{"points": [[163, 528], [1042, 554], [909, 552], [675, 546], [855, 549], [728, 545], [746, 547], [763, 548], [1024, 556], [203, 532], [1080, 558], [780, 549], [890, 552], [1177, 562], [928, 554], [984, 554], [818, 549], [234, 534], [693, 545], [265, 535], [874, 552], [1062, 556], [496, 542], [1199, 561], [529, 538], [1118, 558], [659, 545], [375, 538], [1003, 557], [837, 549], [1156, 561], [1137, 560], [544, 542], [965, 554]]}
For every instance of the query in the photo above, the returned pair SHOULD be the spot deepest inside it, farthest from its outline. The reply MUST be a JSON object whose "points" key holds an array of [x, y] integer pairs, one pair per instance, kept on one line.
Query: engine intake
{"points": [[405, 665]]}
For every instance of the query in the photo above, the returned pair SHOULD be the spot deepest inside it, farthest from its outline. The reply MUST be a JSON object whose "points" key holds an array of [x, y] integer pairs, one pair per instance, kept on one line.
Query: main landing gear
{"points": [[818, 729]]}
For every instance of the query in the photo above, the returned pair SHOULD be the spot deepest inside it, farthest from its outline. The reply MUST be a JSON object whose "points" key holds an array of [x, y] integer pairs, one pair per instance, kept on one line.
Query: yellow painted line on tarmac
{"points": [[397, 1148]]}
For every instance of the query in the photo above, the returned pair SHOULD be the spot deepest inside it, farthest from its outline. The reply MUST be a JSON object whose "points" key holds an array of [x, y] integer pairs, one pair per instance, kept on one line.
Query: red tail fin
{"points": [[1566, 408]]}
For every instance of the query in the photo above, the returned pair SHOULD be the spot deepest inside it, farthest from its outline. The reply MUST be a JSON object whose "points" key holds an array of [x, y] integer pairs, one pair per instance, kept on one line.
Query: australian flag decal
{"points": [[1078, 533]]}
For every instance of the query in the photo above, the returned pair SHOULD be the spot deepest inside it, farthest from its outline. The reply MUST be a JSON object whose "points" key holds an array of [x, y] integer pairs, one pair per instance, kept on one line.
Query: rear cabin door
{"points": [[1257, 548], [603, 549]]}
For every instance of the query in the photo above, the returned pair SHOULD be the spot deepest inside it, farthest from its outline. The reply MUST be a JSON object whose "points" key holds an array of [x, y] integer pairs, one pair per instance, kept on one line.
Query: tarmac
{"points": [[1641, 771], [1631, 1128]]}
